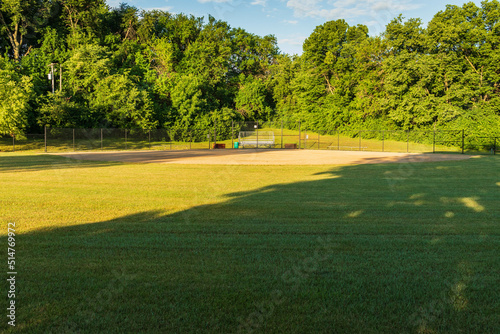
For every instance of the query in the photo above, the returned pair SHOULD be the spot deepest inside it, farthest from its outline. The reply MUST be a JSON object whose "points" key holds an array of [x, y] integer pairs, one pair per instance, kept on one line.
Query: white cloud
{"points": [[295, 40], [290, 21], [346, 9], [381, 6], [216, 1], [371, 23], [291, 41], [303, 8], [262, 3]]}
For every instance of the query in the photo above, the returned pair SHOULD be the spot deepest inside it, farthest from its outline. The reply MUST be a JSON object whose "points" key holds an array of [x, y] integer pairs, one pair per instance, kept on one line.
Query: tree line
{"points": [[129, 68]]}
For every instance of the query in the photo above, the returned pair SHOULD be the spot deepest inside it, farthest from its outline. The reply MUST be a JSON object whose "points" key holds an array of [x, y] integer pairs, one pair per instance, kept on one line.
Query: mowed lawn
{"points": [[151, 248]]}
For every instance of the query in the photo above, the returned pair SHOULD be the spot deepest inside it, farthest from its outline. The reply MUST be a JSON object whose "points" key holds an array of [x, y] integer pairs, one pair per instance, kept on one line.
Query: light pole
{"points": [[52, 78]]}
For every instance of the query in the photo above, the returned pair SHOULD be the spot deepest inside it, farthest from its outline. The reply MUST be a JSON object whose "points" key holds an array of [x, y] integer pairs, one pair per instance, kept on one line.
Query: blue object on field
{"points": [[236, 144]]}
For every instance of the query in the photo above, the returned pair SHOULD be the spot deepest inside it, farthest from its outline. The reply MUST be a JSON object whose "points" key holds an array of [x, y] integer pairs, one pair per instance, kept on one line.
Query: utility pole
{"points": [[52, 76], [53, 79]]}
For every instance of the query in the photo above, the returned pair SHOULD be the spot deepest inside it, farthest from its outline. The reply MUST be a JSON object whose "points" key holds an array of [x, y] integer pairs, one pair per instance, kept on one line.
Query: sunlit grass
{"points": [[128, 248]]}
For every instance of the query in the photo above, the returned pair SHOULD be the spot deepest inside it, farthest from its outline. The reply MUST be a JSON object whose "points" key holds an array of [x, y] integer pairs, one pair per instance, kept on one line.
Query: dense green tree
{"points": [[252, 54], [85, 68], [282, 74], [208, 56], [57, 110], [15, 94], [252, 99], [123, 21], [88, 65], [326, 82], [405, 36], [187, 100], [122, 104], [84, 20], [370, 102], [20, 20], [122, 67]]}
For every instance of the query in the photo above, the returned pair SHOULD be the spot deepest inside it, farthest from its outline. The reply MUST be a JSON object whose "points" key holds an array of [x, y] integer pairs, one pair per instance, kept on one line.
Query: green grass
{"points": [[150, 248]]}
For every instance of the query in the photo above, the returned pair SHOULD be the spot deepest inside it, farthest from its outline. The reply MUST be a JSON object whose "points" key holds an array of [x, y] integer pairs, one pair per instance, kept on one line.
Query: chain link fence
{"points": [[28, 142], [278, 134]]}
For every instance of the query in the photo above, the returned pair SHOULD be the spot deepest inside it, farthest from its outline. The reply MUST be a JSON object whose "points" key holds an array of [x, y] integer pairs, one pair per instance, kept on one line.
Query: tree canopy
{"points": [[128, 68]]}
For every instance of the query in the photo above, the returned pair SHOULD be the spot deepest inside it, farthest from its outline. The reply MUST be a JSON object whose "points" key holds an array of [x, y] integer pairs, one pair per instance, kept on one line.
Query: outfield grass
{"points": [[150, 248]]}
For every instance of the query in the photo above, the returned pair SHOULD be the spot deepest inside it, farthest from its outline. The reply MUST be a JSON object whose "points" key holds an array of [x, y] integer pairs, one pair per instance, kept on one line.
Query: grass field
{"points": [[150, 248]]}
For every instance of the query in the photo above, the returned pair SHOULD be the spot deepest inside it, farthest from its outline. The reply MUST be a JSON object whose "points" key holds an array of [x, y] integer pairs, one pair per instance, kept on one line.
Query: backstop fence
{"points": [[273, 134]]}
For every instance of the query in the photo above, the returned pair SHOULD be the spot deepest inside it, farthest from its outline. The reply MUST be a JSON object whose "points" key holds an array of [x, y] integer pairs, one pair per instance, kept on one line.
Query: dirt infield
{"points": [[261, 157]]}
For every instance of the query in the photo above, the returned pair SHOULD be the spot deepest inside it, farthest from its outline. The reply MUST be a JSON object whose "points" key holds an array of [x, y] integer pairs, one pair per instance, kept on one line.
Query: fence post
{"points": [[494, 145], [383, 139], [305, 139], [338, 140], [300, 136], [13, 142], [463, 140], [45, 137], [73, 139], [407, 141], [359, 135], [281, 133], [257, 132], [101, 140], [232, 133], [434, 142], [318, 140], [125, 139], [215, 132], [149, 138]]}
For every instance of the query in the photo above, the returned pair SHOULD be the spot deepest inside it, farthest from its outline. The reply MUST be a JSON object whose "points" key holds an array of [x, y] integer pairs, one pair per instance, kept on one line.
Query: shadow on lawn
{"points": [[159, 156], [364, 249], [32, 163]]}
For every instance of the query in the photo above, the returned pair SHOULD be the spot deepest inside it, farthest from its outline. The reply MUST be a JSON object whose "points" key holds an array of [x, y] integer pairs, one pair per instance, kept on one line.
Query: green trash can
{"points": [[236, 144]]}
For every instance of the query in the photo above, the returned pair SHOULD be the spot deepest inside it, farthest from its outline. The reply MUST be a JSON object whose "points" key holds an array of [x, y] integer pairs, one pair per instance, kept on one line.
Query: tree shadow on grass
{"points": [[362, 249], [39, 162], [157, 156]]}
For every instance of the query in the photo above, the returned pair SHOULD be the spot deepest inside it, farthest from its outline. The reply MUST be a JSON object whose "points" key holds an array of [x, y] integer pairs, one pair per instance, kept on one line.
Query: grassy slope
{"points": [[109, 247]]}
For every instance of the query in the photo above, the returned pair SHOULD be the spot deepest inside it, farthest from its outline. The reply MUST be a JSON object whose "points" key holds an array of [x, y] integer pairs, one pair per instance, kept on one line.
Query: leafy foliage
{"points": [[15, 93], [122, 104], [122, 67]]}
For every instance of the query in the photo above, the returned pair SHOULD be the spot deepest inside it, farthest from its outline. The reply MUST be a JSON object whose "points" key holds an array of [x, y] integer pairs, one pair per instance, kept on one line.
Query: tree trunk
{"points": [[17, 42], [15, 38]]}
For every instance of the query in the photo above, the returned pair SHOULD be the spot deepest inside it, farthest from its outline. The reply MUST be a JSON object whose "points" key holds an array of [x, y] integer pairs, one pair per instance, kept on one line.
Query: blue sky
{"points": [[292, 21]]}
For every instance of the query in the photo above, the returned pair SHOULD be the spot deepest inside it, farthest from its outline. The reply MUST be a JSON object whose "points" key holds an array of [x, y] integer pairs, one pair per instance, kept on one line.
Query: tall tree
{"points": [[20, 19], [253, 99], [15, 93], [122, 104], [84, 20]]}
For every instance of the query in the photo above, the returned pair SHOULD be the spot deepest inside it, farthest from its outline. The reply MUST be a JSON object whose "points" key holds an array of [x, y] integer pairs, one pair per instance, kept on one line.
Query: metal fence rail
{"points": [[286, 135]]}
